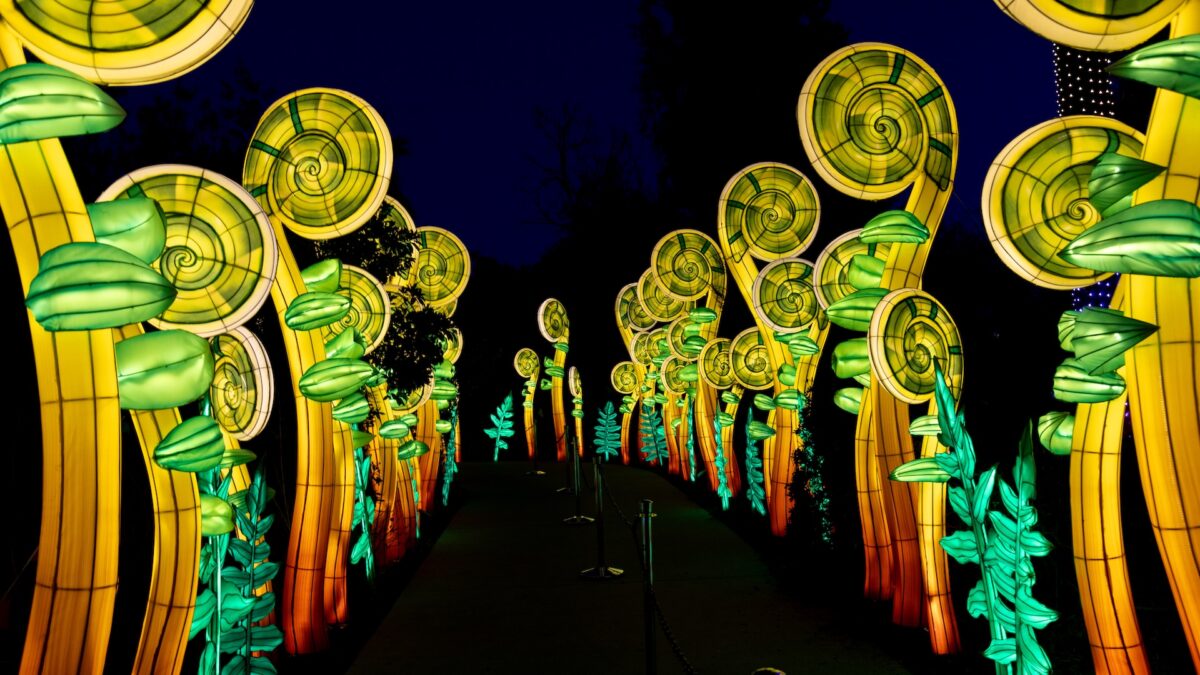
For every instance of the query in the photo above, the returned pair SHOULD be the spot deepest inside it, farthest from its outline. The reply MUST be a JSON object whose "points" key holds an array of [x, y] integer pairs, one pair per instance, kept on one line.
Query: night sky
{"points": [[460, 85]]}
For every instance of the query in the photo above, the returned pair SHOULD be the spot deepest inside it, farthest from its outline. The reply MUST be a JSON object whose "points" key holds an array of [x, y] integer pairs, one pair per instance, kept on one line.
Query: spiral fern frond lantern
{"points": [[1036, 196], [442, 268], [631, 315], [220, 252], [910, 332], [872, 116], [875, 121], [319, 164], [624, 378], [769, 211], [243, 389], [834, 279], [656, 302], [1041, 193], [529, 366], [370, 307], [750, 362], [688, 267], [71, 610], [127, 45], [784, 296], [556, 329]]}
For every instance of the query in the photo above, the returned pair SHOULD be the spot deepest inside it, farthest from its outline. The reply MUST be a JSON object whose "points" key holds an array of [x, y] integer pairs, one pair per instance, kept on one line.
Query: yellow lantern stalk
{"points": [[873, 147], [528, 366], [76, 578], [428, 464], [553, 324], [877, 539], [175, 500], [1163, 370]]}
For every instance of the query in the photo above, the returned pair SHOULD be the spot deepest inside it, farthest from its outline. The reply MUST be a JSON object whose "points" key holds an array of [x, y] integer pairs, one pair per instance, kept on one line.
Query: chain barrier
{"points": [[676, 649]]}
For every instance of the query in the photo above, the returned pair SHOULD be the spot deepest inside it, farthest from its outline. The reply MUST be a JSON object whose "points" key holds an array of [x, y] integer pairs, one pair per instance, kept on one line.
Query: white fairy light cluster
{"points": [[1084, 88], [1082, 85]]}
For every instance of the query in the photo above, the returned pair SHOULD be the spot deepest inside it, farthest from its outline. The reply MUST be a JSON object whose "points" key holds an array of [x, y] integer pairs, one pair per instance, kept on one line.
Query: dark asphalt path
{"points": [[500, 593]]}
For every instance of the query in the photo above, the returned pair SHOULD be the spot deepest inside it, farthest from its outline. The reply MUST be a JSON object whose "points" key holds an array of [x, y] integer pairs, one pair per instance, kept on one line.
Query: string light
{"points": [[1083, 88], [1081, 84]]}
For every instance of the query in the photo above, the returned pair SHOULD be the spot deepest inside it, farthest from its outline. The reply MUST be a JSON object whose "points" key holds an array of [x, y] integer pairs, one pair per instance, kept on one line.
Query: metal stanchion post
{"points": [[578, 518], [601, 570], [648, 586]]}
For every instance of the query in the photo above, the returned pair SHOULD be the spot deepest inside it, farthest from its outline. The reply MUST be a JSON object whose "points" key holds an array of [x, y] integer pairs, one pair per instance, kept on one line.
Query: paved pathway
{"points": [[500, 592]]}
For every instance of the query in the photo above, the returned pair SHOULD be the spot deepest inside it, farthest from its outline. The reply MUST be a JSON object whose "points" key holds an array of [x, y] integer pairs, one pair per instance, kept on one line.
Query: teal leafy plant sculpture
{"points": [[1002, 541], [364, 514], [229, 605], [451, 464], [719, 462], [608, 433], [654, 437], [503, 427], [755, 491]]}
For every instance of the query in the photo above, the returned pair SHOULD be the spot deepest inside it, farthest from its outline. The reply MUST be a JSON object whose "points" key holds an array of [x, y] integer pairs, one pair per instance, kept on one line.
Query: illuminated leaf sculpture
{"points": [[754, 475], [770, 212], [1001, 542], [319, 164], [501, 427], [608, 434], [1037, 198], [876, 121]]}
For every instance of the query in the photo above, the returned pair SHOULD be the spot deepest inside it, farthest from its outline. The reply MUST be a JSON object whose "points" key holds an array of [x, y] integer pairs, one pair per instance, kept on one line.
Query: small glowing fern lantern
{"points": [[502, 419], [608, 433]]}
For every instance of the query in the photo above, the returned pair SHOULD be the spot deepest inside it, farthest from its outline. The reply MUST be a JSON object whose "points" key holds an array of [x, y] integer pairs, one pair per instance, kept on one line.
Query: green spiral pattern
{"points": [[770, 211], [629, 310], [688, 264], [656, 302], [783, 295], [220, 252], [750, 360], [716, 366], [833, 266], [910, 332], [370, 307], [873, 118], [242, 390], [320, 161]]}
